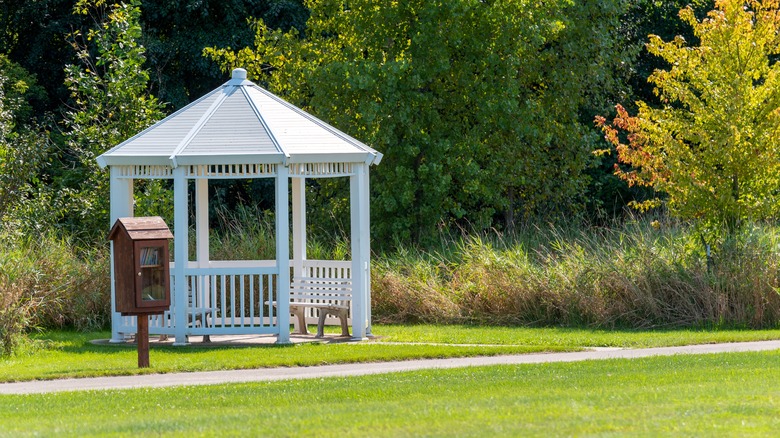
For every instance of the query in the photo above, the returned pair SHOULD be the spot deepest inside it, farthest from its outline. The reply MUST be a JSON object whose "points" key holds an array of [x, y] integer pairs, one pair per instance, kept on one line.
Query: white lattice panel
{"points": [[321, 170], [145, 172], [231, 171]]}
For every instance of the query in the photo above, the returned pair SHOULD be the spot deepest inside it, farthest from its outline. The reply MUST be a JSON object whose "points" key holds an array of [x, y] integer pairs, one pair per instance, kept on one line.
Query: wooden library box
{"points": [[141, 265]]}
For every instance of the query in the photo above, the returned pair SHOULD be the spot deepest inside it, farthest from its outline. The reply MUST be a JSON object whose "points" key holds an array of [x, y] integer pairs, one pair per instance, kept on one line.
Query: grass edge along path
{"points": [[730, 394], [70, 354], [361, 369]]}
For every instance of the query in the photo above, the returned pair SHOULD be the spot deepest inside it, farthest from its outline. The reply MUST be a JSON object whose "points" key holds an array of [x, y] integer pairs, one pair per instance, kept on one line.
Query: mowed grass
{"points": [[735, 394], [70, 354], [564, 337]]}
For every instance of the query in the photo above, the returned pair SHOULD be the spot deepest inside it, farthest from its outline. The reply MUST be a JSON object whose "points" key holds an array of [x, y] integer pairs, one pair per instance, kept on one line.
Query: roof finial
{"points": [[239, 73]]}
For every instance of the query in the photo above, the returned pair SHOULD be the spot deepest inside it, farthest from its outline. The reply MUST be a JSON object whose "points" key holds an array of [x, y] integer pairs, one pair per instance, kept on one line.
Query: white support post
{"points": [[298, 232], [299, 224], [202, 221], [283, 254], [366, 216], [202, 235], [358, 209], [121, 195], [180, 257]]}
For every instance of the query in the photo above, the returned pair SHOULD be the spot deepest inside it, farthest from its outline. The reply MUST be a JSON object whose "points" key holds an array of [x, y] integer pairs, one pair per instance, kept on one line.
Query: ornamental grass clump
{"points": [[410, 286], [746, 280], [17, 303], [499, 284], [633, 275], [15, 312], [48, 282], [242, 234]]}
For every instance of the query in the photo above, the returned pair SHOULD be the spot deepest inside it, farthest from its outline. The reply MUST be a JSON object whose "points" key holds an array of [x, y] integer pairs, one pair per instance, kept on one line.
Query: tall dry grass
{"points": [[249, 234], [632, 275], [47, 281]]}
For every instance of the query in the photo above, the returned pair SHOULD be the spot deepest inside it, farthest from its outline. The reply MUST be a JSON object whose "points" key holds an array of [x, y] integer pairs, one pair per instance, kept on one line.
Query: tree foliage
{"points": [[111, 103], [176, 31], [713, 146], [24, 147], [607, 194], [477, 106], [661, 18], [482, 107], [33, 35]]}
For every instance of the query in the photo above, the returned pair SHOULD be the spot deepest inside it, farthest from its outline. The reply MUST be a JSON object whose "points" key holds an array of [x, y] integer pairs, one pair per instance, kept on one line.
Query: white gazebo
{"points": [[238, 131]]}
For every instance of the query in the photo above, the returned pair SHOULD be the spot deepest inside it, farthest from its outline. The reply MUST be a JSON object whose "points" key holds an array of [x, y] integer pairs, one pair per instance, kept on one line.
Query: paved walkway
{"points": [[359, 369]]}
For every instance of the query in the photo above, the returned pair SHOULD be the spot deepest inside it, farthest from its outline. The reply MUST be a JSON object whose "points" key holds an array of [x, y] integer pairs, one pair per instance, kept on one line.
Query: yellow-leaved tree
{"points": [[712, 145]]}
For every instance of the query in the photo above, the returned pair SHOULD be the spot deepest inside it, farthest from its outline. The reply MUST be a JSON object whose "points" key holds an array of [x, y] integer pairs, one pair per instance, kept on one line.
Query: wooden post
{"points": [[142, 339]]}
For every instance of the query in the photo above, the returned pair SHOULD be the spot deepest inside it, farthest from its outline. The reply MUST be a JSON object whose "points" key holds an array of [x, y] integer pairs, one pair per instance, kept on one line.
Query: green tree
{"points": [[712, 146], [476, 105], [111, 103], [176, 31], [32, 34], [607, 195], [661, 18], [24, 147]]}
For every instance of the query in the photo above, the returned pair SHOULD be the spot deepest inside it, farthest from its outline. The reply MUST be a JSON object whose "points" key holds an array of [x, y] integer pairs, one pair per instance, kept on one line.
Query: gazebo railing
{"points": [[237, 297], [228, 297], [231, 300]]}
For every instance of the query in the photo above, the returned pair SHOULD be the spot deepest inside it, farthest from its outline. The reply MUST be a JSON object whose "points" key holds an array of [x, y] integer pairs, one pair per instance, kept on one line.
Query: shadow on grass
{"points": [[89, 347]]}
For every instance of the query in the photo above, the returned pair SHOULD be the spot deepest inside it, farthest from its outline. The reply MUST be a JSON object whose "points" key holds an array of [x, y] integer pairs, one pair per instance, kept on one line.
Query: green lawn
{"points": [[567, 338], [734, 394], [69, 354]]}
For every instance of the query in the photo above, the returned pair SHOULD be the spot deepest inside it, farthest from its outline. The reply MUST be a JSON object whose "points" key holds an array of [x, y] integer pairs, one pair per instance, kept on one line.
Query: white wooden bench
{"points": [[330, 296]]}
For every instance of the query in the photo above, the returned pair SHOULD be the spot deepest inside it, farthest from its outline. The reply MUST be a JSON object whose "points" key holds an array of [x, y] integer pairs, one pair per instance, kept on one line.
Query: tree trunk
{"points": [[509, 214]]}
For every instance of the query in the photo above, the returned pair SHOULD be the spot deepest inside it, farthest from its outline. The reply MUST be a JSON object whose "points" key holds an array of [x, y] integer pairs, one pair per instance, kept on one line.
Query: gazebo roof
{"points": [[239, 123]]}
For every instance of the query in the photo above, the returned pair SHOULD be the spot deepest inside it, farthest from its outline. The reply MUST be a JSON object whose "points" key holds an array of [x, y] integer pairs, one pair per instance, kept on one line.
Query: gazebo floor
{"points": [[237, 340]]}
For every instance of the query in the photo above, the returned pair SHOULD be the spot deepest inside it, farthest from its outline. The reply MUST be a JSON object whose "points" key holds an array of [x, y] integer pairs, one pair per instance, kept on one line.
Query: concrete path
{"points": [[359, 369]]}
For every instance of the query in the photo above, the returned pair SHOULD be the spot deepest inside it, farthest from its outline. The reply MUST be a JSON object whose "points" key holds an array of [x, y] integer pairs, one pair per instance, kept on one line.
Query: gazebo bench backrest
{"points": [[336, 292]]}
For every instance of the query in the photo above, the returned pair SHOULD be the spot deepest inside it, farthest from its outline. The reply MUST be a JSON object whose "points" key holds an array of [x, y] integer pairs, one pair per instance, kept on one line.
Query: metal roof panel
{"points": [[233, 129], [300, 133], [162, 138]]}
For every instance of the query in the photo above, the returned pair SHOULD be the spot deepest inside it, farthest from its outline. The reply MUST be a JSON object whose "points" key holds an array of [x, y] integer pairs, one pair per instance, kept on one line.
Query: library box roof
{"points": [[141, 228]]}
